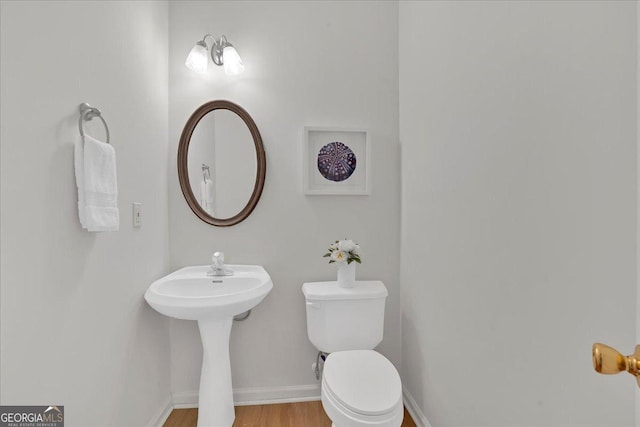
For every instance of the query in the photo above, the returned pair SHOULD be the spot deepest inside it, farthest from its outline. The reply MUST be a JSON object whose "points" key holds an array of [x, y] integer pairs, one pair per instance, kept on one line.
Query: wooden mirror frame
{"points": [[183, 169]]}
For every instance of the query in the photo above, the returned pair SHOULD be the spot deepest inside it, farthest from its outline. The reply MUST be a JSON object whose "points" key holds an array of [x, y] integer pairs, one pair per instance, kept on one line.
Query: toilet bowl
{"points": [[361, 388]]}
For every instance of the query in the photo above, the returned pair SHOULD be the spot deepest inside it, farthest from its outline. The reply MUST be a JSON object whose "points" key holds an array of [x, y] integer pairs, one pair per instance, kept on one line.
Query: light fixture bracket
{"points": [[218, 48]]}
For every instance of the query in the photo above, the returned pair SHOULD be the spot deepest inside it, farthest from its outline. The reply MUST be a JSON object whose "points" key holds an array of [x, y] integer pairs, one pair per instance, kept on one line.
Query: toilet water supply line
{"points": [[322, 356]]}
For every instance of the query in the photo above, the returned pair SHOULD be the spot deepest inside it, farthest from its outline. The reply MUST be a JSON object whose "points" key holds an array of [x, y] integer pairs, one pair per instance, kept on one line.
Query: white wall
{"points": [[518, 134], [75, 329], [307, 64]]}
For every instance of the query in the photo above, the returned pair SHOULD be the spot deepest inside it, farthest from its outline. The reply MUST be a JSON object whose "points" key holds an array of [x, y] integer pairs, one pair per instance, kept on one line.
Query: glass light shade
{"points": [[232, 63], [197, 59]]}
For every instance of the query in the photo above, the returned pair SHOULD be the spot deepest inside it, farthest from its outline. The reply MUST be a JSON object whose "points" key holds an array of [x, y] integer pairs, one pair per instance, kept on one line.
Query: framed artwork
{"points": [[336, 161]]}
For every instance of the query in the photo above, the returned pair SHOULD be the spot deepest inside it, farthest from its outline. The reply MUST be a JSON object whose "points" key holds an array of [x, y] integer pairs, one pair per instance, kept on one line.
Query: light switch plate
{"points": [[137, 215]]}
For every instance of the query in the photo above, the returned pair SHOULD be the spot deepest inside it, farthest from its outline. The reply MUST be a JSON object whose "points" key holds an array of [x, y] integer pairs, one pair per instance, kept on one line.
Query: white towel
{"points": [[95, 165], [206, 195]]}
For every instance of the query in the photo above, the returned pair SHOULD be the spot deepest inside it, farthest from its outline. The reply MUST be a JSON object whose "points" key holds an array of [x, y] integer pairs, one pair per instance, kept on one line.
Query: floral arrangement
{"points": [[343, 251]]}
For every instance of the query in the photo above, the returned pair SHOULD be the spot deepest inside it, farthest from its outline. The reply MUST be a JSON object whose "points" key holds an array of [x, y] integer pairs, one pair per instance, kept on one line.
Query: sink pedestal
{"points": [[215, 404]]}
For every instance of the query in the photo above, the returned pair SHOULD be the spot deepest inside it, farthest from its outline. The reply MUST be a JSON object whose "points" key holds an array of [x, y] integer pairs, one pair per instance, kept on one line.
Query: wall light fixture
{"points": [[222, 53]]}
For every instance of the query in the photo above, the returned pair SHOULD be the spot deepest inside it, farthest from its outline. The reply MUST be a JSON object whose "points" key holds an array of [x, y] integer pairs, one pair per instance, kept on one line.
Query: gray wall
{"points": [[307, 64], [518, 134], [75, 329]]}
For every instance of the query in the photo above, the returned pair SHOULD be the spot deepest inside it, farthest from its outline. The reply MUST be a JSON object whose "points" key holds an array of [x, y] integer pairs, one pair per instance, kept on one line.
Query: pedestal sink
{"points": [[191, 294]]}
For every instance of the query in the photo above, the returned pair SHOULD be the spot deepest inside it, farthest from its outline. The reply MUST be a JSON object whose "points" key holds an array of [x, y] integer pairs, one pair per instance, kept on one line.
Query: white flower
{"points": [[343, 251], [346, 245], [339, 256]]}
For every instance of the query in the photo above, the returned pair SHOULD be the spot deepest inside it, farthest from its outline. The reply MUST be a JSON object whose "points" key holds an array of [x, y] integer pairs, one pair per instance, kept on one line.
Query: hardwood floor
{"points": [[301, 414]]}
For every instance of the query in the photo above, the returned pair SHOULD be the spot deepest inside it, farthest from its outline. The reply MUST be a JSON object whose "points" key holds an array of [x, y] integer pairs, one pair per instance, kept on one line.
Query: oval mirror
{"points": [[221, 163]]}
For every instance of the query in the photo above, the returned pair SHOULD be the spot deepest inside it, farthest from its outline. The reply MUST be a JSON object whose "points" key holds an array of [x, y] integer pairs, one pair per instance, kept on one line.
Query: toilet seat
{"points": [[361, 388]]}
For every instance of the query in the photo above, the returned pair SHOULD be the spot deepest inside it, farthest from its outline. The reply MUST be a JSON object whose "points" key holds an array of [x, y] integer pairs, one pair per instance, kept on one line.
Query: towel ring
{"points": [[87, 112]]}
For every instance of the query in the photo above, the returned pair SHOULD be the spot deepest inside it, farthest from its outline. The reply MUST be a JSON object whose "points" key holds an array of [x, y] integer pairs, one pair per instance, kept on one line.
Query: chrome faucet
{"points": [[217, 261], [217, 266]]}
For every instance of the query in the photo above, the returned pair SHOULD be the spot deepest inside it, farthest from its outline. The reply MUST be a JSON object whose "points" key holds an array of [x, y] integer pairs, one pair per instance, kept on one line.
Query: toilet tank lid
{"points": [[363, 289]]}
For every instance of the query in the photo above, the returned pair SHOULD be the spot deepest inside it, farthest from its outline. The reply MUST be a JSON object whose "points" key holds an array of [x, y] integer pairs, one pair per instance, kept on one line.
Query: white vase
{"points": [[347, 275]]}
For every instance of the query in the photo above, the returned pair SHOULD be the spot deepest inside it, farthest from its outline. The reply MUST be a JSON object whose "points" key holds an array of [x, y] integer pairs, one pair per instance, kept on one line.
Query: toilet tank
{"points": [[341, 319]]}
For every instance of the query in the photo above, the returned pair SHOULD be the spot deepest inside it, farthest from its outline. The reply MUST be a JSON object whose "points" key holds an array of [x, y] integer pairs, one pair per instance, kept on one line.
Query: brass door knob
{"points": [[608, 361]]}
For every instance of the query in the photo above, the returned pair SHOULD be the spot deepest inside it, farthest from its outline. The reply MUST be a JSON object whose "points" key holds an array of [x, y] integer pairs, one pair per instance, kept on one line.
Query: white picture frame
{"points": [[337, 177]]}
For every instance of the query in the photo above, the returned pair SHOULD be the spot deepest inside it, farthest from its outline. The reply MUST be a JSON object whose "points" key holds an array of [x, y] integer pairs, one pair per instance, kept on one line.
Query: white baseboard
{"points": [[255, 395], [162, 415], [185, 399], [268, 395], [414, 410]]}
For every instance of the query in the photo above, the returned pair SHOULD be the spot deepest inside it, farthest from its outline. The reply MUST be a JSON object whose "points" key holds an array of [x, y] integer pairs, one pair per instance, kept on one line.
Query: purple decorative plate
{"points": [[336, 161]]}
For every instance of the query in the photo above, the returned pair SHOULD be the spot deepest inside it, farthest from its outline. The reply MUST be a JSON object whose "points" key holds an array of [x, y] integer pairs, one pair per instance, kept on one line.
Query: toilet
{"points": [[360, 387]]}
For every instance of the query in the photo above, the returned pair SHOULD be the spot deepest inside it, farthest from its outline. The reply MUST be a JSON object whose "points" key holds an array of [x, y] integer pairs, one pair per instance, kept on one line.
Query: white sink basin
{"points": [[213, 301], [192, 295]]}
